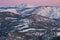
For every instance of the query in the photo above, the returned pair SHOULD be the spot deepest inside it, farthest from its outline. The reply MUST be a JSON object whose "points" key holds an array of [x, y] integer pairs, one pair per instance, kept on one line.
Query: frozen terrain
{"points": [[29, 23]]}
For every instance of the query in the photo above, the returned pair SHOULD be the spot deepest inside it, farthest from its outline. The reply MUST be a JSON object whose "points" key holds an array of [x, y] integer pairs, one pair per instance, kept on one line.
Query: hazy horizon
{"points": [[30, 2]]}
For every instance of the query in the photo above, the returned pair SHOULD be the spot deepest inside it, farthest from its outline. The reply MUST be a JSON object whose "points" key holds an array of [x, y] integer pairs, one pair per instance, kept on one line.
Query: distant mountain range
{"points": [[51, 12]]}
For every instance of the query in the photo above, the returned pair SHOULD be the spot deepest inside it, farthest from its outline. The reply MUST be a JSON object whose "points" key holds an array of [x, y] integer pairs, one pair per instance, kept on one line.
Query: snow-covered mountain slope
{"points": [[30, 20], [48, 11], [51, 12]]}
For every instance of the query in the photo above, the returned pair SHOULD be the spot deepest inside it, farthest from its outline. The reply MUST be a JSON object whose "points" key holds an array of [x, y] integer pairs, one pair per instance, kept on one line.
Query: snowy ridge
{"points": [[52, 12], [30, 19]]}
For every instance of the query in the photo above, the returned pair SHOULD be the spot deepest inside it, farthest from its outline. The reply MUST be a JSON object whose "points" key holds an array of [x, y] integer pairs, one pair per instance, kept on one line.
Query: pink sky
{"points": [[32, 2]]}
